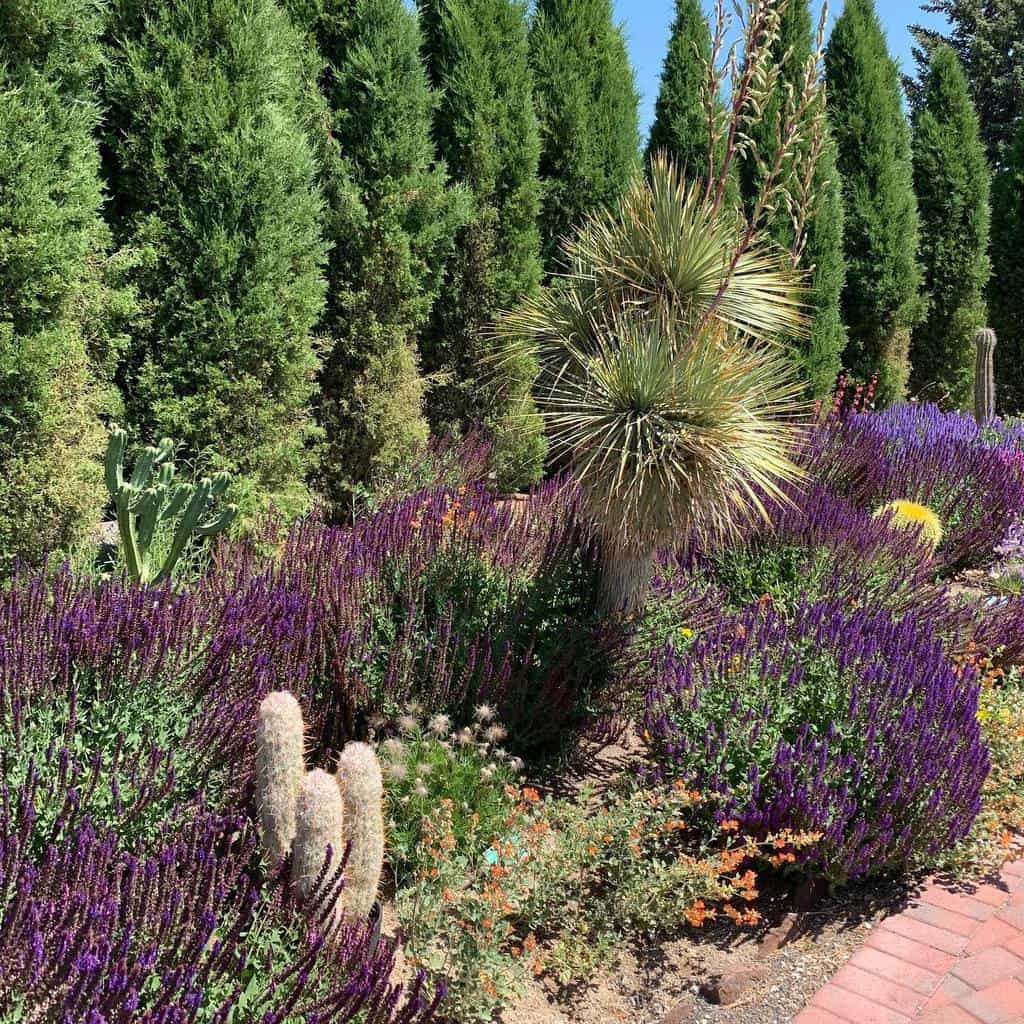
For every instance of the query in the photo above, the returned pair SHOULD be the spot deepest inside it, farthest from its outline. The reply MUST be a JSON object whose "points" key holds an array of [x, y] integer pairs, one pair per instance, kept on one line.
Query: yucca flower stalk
{"points": [[666, 394]]}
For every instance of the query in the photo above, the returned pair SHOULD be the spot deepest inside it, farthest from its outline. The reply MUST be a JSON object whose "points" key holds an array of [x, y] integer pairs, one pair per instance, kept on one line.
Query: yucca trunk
{"points": [[625, 580]]}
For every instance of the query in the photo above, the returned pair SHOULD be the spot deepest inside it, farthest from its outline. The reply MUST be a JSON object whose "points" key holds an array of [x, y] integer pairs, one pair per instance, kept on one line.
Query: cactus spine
{"points": [[362, 789], [319, 815], [150, 497], [984, 376], [279, 772]]}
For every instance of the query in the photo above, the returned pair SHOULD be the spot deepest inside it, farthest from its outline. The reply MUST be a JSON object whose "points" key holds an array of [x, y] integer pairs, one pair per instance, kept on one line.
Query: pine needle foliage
{"points": [[1007, 290]]}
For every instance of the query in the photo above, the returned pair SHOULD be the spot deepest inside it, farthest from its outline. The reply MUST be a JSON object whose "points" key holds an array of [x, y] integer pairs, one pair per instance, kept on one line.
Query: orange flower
{"points": [[592, 850], [696, 914], [730, 825], [530, 795]]}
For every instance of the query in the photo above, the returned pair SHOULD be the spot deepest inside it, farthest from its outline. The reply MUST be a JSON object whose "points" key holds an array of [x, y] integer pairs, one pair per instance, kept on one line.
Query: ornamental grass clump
{"points": [[842, 721]]}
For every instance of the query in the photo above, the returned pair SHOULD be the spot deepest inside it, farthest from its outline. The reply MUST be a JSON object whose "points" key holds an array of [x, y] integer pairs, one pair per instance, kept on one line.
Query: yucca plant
{"points": [[667, 396], [663, 380]]}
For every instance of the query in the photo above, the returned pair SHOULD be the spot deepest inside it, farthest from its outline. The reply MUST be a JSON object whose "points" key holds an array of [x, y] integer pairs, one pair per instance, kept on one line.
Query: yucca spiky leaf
{"points": [[662, 382]]}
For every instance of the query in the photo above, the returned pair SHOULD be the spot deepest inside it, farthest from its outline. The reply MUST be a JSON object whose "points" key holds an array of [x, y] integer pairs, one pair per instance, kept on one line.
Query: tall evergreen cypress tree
{"points": [[54, 293], [587, 108], [680, 123], [212, 176], [1006, 296], [820, 354], [391, 222], [951, 178], [486, 130], [881, 299]]}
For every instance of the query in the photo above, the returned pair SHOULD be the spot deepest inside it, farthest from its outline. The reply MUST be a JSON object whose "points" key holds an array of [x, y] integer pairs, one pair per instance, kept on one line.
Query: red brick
{"points": [[992, 933], [855, 1008], [1014, 867], [947, 1015], [1014, 916], [952, 990], [885, 965], [914, 952], [993, 895], [948, 942], [998, 1004], [897, 997], [939, 917], [1016, 947], [816, 1015], [1017, 899], [988, 967], [959, 902]]}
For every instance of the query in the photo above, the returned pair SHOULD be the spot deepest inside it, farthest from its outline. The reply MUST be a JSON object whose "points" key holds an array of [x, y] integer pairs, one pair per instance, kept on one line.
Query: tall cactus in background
{"points": [[362, 789], [984, 376], [149, 497], [279, 771], [319, 815]]}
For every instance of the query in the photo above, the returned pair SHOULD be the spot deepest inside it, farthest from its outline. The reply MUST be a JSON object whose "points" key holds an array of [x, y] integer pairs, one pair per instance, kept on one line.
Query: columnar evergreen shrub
{"points": [[819, 354], [485, 128], [213, 179], [54, 285], [880, 301], [587, 108], [680, 125], [1006, 295], [391, 223], [951, 178], [986, 38]]}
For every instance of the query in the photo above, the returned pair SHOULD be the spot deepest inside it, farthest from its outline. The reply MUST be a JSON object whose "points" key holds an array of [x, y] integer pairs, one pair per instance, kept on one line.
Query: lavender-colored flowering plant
{"points": [[842, 721]]}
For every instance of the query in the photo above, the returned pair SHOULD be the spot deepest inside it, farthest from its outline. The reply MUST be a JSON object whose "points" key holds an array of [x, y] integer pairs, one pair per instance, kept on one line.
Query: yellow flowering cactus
{"points": [[909, 514]]}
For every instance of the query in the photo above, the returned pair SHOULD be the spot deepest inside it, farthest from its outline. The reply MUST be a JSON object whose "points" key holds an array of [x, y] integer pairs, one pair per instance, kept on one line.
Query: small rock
{"points": [[680, 1013], [727, 989], [782, 933]]}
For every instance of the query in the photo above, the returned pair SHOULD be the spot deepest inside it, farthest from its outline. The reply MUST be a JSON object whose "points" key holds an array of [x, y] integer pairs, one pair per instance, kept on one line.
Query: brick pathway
{"points": [[951, 957]]}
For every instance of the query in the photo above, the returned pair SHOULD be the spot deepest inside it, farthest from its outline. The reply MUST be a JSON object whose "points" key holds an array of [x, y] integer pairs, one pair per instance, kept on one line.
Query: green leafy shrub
{"points": [[55, 280], [485, 128], [213, 181], [391, 222], [951, 179], [881, 296]]}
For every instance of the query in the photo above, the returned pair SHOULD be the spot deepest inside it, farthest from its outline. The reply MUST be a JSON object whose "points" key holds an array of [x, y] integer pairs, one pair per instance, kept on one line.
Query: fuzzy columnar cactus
{"points": [[984, 376], [319, 816], [362, 789], [279, 771]]}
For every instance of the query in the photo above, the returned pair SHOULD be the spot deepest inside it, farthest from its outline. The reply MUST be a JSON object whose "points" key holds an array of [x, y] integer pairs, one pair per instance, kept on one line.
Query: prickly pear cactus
{"points": [[984, 376], [280, 769], [362, 788], [149, 496], [319, 816]]}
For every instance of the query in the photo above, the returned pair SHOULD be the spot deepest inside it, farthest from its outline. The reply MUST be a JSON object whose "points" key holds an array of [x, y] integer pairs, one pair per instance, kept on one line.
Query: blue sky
{"points": [[647, 25]]}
